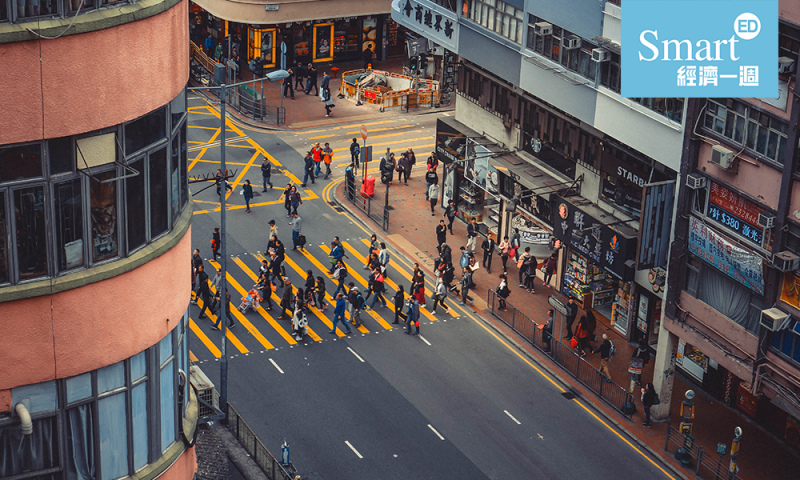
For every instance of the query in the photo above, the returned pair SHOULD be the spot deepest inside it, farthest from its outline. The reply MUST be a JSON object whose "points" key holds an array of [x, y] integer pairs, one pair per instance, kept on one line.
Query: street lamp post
{"points": [[223, 312]]}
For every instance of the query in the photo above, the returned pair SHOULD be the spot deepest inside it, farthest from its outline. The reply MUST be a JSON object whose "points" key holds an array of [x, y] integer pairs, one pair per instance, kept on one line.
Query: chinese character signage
{"points": [[601, 244], [431, 20], [790, 292], [735, 213], [700, 48], [743, 266]]}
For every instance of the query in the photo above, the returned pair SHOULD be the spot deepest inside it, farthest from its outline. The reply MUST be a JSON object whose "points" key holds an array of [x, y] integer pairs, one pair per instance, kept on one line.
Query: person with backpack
{"points": [[383, 257], [266, 174], [327, 158], [515, 242], [355, 153], [357, 303], [605, 356], [450, 213], [340, 274], [378, 287], [503, 292], [433, 161], [216, 243], [641, 354], [523, 265]]}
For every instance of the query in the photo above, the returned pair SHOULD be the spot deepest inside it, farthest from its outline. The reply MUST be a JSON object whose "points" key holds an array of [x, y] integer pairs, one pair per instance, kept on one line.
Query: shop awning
{"points": [[292, 10], [526, 174]]}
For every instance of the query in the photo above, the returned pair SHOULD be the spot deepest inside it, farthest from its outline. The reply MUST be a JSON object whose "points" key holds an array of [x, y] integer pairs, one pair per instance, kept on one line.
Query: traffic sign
{"points": [[363, 132], [556, 303]]}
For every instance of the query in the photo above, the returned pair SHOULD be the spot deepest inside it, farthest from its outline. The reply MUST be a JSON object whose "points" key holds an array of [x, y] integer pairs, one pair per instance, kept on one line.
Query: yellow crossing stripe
{"points": [[192, 356], [274, 323], [390, 282], [230, 336], [354, 273], [406, 274], [322, 317], [235, 311], [316, 312], [204, 338]]}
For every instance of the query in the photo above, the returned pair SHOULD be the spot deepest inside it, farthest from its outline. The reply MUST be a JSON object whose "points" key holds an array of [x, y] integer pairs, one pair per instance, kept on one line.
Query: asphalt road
{"points": [[378, 404]]}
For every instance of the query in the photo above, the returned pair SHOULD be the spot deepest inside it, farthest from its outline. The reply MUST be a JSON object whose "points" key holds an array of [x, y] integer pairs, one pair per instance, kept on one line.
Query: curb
{"points": [[238, 455], [254, 125], [546, 367]]}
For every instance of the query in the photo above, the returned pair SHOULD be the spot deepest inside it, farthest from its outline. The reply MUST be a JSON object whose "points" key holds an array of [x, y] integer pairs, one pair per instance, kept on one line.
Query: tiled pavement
{"points": [[411, 230]]}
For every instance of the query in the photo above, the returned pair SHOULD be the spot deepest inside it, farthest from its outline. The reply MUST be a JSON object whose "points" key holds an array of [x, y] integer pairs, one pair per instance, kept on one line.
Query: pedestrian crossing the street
{"points": [[261, 330]]}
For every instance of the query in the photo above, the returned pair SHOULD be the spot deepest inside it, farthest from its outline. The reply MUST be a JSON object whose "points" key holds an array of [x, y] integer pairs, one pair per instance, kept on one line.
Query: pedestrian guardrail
{"points": [[373, 207], [271, 467], [564, 356], [198, 54], [706, 465]]}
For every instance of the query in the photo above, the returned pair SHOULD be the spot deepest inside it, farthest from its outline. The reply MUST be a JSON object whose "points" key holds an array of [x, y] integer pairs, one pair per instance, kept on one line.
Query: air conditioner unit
{"points": [[766, 219], [600, 55], [773, 318], [695, 181], [543, 28], [792, 432], [785, 65], [571, 43], [722, 157], [205, 391], [786, 261]]}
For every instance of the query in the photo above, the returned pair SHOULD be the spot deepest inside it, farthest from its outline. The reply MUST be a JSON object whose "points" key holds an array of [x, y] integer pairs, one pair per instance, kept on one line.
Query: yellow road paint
{"points": [[315, 311], [274, 324], [363, 282], [230, 336], [321, 136], [193, 357], [204, 339]]}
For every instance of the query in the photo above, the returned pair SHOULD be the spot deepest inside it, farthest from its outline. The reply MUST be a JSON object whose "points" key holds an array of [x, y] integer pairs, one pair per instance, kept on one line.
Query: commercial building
{"points": [[733, 303], [542, 143], [314, 32], [94, 241]]}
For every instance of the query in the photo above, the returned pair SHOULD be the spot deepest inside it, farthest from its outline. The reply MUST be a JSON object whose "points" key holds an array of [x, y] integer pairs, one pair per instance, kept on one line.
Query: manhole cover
{"points": [[568, 395]]}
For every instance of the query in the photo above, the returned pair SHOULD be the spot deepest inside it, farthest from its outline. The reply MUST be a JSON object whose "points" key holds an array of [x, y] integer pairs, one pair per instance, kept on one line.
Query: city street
{"points": [[457, 402]]}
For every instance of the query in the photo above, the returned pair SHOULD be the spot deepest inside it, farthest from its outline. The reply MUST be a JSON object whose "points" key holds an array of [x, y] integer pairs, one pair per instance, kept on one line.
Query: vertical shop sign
{"points": [[656, 224], [734, 212]]}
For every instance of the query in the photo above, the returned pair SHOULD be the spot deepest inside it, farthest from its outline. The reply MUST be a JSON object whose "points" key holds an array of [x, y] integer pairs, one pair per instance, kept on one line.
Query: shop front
{"points": [[650, 285], [599, 268]]}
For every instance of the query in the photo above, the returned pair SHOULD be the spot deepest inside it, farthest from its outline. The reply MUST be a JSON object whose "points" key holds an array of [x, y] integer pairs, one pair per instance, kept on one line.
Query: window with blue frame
{"points": [[788, 342]]}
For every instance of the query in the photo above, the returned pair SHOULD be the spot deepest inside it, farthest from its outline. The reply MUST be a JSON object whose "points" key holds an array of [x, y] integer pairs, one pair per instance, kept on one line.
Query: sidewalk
{"points": [[308, 111], [412, 231]]}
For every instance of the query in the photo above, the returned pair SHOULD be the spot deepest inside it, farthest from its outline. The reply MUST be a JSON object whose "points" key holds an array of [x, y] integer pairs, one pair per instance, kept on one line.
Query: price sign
{"points": [[734, 222]]}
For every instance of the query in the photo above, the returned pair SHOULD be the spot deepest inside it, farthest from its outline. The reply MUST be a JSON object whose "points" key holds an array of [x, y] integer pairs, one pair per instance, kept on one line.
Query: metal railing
{"points": [[198, 54], [375, 208], [712, 466], [567, 358], [258, 452]]}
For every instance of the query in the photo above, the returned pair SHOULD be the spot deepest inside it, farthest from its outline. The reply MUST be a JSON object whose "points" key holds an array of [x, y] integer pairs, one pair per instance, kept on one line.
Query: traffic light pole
{"points": [[223, 312]]}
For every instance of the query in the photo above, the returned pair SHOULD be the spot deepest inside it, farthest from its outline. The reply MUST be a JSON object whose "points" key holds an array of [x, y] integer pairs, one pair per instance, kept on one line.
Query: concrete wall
{"points": [[68, 333], [759, 181], [485, 48], [481, 121], [563, 13], [789, 10], [579, 101], [80, 83]]}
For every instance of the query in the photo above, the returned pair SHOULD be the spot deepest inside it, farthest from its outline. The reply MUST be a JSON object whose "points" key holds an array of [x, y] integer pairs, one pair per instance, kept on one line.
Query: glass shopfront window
{"points": [[323, 40], [261, 42]]}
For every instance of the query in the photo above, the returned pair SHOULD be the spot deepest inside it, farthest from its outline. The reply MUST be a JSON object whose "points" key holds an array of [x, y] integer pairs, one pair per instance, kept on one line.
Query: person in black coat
{"points": [[642, 352], [441, 235], [648, 400], [399, 298], [311, 80], [300, 73], [288, 88]]}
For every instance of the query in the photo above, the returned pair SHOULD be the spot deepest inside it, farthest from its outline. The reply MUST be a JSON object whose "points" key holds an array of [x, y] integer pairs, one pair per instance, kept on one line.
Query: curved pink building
{"points": [[94, 241]]}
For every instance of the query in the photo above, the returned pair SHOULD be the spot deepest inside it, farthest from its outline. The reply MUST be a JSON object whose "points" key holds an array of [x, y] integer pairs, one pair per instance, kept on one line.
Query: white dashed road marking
{"points": [[512, 417], [434, 431], [357, 356], [352, 447], [276, 365]]}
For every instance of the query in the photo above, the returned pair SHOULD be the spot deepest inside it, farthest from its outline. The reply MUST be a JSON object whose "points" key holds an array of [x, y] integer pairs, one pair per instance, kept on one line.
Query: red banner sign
{"points": [[734, 203], [370, 94]]}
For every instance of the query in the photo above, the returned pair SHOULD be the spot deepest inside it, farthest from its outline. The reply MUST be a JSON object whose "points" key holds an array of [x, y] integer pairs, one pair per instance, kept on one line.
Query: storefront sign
{"points": [[624, 178], [742, 265], [641, 321], [435, 22], [451, 144], [602, 244], [735, 213], [529, 229], [655, 224]]}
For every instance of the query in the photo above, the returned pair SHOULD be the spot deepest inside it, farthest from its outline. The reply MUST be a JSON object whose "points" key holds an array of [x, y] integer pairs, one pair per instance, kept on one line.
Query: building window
{"points": [[744, 125], [23, 11], [788, 343], [31, 232], [103, 197], [723, 294], [69, 224], [609, 73], [145, 131], [3, 10], [85, 209], [671, 108], [111, 421], [497, 16], [21, 162], [789, 42]]}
